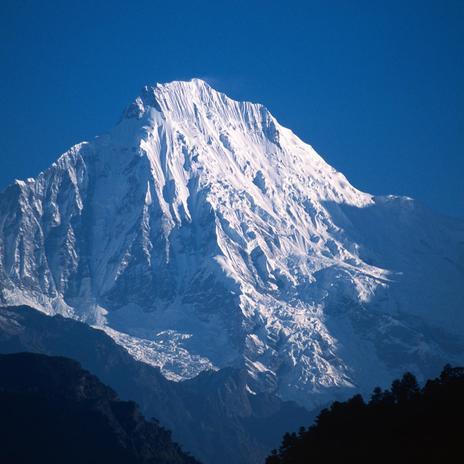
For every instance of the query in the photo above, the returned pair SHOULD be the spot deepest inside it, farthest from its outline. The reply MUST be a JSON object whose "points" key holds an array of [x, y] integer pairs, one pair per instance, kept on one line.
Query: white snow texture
{"points": [[200, 233]]}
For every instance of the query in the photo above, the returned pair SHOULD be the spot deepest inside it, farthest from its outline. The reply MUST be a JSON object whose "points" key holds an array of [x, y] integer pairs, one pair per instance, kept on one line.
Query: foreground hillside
{"points": [[403, 424], [212, 416], [53, 411]]}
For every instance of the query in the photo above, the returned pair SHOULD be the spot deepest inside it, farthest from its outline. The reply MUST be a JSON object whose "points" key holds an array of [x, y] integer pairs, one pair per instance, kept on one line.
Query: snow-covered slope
{"points": [[201, 234]]}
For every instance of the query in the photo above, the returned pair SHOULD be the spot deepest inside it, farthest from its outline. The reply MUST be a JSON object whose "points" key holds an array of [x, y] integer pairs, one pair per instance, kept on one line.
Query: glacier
{"points": [[200, 234]]}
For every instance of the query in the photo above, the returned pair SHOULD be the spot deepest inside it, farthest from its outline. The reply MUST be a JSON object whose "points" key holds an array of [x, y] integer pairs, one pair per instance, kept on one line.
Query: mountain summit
{"points": [[200, 233]]}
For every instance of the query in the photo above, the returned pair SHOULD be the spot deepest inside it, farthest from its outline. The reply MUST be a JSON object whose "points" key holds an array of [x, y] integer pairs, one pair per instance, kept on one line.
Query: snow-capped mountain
{"points": [[200, 234]]}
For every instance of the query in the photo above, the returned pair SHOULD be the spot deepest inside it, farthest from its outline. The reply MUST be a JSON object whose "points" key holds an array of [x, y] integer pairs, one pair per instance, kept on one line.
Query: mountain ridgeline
{"points": [[403, 424], [201, 234]]}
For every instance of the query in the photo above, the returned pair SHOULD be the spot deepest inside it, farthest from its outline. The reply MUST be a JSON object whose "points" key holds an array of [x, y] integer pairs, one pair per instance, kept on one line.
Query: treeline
{"points": [[403, 424]]}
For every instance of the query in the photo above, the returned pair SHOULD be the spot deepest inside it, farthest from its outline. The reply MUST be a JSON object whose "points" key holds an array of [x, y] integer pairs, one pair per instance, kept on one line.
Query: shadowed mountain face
{"points": [[53, 411], [200, 233], [212, 416]]}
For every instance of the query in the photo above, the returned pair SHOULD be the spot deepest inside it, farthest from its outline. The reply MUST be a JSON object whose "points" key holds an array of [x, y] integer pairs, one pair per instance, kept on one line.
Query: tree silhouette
{"points": [[403, 424], [405, 389]]}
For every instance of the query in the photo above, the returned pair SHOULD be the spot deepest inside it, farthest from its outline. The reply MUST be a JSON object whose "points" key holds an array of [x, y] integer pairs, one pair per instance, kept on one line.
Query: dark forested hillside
{"points": [[403, 424], [53, 411], [212, 416]]}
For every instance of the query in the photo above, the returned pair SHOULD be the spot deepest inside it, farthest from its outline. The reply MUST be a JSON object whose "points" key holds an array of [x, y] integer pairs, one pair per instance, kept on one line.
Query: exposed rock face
{"points": [[200, 233]]}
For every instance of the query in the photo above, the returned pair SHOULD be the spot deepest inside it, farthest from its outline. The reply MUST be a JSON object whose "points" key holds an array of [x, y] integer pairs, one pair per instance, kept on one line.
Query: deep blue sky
{"points": [[377, 87]]}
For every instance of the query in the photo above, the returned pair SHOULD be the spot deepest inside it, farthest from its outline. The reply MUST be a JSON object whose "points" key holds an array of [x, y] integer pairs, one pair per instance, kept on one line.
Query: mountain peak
{"points": [[184, 91], [197, 101], [200, 234], [194, 83]]}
